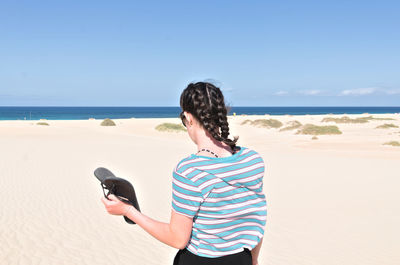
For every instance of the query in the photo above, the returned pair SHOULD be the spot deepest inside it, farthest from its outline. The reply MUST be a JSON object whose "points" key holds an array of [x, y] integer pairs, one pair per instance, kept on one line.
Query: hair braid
{"points": [[206, 103]]}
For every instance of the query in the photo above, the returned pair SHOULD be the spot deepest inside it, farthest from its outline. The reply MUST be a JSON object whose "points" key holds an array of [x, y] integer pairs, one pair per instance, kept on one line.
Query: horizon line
{"points": [[56, 106]]}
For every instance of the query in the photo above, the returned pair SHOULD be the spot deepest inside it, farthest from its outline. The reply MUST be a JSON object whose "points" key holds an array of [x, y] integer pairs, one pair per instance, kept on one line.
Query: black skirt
{"points": [[185, 257]]}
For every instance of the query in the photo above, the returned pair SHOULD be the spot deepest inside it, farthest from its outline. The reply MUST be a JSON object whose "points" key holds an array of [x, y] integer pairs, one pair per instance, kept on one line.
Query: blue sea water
{"points": [[84, 113]]}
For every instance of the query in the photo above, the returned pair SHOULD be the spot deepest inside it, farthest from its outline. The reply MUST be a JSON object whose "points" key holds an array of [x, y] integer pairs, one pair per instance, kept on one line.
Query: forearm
{"points": [[256, 251], [160, 230]]}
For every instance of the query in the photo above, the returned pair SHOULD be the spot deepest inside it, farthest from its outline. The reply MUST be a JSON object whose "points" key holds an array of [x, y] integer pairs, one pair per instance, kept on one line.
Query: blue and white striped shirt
{"points": [[225, 198]]}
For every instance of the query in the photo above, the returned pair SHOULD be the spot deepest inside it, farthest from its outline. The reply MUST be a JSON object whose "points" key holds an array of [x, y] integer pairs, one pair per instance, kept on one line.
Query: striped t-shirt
{"points": [[225, 198]]}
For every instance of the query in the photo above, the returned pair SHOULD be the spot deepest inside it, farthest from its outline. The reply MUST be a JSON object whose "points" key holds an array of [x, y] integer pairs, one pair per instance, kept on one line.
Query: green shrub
{"points": [[107, 122], [392, 143], [387, 126], [346, 119], [312, 129], [265, 123], [291, 126], [383, 119], [246, 122], [42, 123], [170, 127]]}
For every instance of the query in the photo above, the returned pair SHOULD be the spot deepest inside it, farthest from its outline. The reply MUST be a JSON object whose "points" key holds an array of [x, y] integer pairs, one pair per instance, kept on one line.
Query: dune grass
{"points": [[346, 119], [314, 138], [311, 129], [392, 143], [170, 127], [246, 122], [291, 126], [383, 119], [107, 122], [42, 123], [387, 126], [264, 123]]}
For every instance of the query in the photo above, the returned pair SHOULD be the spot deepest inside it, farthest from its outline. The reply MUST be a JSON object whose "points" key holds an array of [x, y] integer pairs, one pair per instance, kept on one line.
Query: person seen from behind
{"points": [[219, 212]]}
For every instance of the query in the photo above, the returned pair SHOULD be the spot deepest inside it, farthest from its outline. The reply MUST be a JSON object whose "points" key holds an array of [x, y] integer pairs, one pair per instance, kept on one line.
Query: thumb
{"points": [[112, 197]]}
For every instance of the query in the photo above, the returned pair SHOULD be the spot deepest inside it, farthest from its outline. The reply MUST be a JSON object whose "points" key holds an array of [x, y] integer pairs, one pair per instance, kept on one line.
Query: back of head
{"points": [[206, 103]]}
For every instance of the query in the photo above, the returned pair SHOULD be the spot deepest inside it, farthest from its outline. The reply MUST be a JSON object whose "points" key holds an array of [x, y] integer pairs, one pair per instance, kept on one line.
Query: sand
{"points": [[333, 200]]}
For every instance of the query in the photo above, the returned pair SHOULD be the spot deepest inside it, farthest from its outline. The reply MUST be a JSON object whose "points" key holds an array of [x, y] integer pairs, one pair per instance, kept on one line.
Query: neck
{"points": [[205, 140]]}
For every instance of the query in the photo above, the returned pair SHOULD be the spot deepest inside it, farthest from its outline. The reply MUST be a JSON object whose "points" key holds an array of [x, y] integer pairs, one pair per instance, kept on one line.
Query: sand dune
{"points": [[330, 201]]}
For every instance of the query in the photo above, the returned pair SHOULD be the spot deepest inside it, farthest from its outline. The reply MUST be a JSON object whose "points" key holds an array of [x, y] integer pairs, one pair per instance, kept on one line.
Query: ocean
{"points": [[84, 113]]}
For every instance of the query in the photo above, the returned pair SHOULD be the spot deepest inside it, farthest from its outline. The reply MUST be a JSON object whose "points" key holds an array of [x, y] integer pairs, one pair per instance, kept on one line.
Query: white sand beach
{"points": [[333, 200]]}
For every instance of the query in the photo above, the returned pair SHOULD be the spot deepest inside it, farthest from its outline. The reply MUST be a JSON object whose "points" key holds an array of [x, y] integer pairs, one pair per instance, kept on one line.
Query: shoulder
{"points": [[189, 169], [183, 173], [249, 152], [179, 167], [189, 162]]}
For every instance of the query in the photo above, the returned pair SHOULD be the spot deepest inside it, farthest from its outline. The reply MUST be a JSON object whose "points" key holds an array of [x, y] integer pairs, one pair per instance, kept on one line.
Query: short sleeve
{"points": [[186, 196]]}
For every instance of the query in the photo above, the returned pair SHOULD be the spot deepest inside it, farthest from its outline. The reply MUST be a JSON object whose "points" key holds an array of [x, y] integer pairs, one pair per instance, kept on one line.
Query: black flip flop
{"points": [[121, 188]]}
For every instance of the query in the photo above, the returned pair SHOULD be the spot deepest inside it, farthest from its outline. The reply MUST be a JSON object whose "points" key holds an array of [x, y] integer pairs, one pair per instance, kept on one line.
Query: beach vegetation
{"points": [[387, 126], [246, 122], [314, 138], [42, 123], [291, 126], [346, 119], [264, 123], [107, 122], [170, 127], [383, 119], [393, 143], [311, 129]]}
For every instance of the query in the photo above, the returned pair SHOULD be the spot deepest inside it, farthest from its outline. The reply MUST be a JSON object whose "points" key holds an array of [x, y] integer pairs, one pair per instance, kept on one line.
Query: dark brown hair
{"points": [[206, 103]]}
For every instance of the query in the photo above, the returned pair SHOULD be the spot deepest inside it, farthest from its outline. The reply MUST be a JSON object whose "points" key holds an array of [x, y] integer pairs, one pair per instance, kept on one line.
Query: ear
{"points": [[189, 117]]}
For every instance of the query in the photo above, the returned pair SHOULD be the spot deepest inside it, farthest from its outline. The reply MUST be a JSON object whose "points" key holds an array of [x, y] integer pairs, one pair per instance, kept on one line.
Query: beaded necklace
{"points": [[203, 149]]}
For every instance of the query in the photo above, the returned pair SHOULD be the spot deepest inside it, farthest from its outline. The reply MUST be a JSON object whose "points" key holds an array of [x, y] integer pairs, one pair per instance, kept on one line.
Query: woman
{"points": [[218, 206]]}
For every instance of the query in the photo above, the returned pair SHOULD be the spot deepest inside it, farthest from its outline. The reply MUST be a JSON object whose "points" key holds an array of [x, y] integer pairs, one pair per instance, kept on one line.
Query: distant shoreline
{"points": [[242, 116], [85, 113]]}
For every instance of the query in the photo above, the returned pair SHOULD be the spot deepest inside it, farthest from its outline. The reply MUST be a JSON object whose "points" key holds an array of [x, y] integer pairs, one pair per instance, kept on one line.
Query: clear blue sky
{"points": [[143, 53]]}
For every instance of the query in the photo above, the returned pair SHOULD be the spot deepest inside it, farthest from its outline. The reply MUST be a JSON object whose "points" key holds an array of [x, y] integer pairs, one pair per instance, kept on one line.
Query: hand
{"points": [[114, 206], [255, 262]]}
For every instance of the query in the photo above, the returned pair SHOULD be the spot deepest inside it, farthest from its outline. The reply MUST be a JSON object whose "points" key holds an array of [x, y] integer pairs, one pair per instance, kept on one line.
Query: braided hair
{"points": [[206, 103]]}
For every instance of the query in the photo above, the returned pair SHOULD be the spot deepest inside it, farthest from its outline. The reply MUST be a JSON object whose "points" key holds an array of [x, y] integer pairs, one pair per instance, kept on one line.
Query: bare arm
{"points": [[255, 252], [176, 233]]}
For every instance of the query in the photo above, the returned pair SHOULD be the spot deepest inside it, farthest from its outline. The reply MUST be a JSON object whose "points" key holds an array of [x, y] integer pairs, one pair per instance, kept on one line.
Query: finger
{"points": [[104, 201], [112, 197]]}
